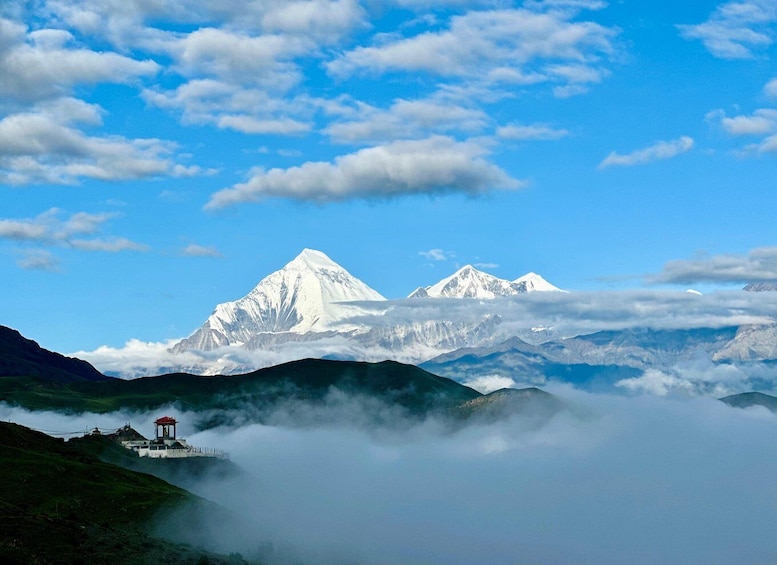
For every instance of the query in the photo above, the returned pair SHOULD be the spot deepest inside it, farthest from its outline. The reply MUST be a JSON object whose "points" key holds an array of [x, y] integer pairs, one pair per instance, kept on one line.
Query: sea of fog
{"points": [[614, 479]]}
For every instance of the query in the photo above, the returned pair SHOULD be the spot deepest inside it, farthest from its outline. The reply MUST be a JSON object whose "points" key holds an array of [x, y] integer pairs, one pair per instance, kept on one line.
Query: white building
{"points": [[165, 444]]}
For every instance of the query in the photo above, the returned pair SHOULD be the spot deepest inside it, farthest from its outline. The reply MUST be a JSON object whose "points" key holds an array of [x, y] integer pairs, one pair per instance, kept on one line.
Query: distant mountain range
{"points": [[313, 302], [313, 298], [379, 393], [595, 361]]}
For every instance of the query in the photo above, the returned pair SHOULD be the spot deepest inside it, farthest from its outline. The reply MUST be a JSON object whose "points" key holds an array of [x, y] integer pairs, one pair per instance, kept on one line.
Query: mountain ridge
{"points": [[20, 356]]}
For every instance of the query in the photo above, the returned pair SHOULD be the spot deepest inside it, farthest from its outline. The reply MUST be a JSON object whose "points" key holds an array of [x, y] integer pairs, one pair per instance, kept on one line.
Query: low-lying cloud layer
{"points": [[614, 480], [758, 265]]}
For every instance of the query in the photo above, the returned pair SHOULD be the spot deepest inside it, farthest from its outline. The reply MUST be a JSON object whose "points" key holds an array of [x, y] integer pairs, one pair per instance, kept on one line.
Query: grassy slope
{"points": [[60, 504], [310, 379]]}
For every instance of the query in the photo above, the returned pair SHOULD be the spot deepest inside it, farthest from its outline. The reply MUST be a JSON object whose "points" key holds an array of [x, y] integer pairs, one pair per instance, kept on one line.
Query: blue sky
{"points": [[158, 158]]}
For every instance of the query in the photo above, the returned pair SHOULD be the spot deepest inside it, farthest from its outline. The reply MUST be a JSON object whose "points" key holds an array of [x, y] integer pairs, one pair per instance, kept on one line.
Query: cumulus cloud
{"points": [[38, 260], [239, 58], [531, 131], [44, 144], [659, 151], [430, 166], [129, 24], [763, 121], [50, 229], [491, 43], [736, 30], [405, 119], [771, 88], [244, 109], [194, 250], [768, 145], [41, 64], [756, 266], [237, 63]]}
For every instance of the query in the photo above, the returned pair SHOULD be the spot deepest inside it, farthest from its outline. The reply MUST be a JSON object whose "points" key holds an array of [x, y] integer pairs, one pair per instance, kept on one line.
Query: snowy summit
{"points": [[304, 296], [469, 282]]}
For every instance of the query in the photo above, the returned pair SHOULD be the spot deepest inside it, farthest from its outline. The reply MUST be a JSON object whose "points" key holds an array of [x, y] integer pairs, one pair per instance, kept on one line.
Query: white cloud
{"points": [[239, 58], [406, 119], [127, 23], [655, 382], [39, 65], [434, 165], [47, 227], [437, 254], [761, 122], [736, 29], [113, 245], [531, 131], [489, 383], [659, 151], [771, 88], [38, 260], [479, 43], [252, 125], [757, 265], [514, 487], [768, 145], [325, 20], [194, 250], [20, 230], [42, 145], [50, 230], [244, 109]]}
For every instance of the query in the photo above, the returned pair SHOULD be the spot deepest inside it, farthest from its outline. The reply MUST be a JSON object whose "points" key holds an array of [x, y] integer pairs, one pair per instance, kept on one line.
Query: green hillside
{"points": [[61, 504], [408, 387]]}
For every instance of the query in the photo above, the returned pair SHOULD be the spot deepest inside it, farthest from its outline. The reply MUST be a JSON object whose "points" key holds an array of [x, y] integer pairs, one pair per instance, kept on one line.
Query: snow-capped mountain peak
{"points": [[468, 282], [306, 295], [532, 282], [313, 260]]}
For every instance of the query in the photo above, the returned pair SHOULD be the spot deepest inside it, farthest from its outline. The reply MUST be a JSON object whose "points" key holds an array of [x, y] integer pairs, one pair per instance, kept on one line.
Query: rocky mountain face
{"points": [[621, 354], [765, 286], [753, 342]]}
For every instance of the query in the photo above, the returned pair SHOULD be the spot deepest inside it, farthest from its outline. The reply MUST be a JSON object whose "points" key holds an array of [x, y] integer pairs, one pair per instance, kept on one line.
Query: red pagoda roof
{"points": [[165, 420]]}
